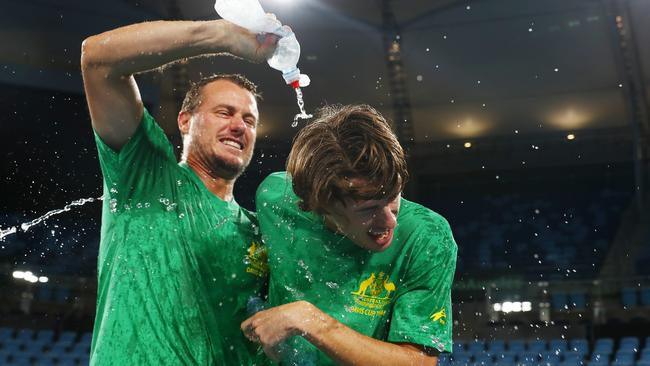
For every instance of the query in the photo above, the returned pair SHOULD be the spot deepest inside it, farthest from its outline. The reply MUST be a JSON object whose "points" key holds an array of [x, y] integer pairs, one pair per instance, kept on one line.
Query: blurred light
{"points": [[513, 306], [19, 274], [468, 145], [43, 279], [507, 307], [570, 118], [570, 136], [31, 278]]}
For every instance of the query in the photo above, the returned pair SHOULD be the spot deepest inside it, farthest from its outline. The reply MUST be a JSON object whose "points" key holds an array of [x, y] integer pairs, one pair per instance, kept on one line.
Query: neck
{"points": [[219, 186]]}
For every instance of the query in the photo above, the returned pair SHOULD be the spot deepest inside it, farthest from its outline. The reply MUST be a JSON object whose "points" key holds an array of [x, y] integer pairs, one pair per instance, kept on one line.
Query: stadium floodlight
{"points": [[19, 274], [43, 279], [468, 145], [570, 136]]}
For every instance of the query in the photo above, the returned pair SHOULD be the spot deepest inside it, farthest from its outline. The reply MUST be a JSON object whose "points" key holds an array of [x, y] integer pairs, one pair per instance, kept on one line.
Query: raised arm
{"points": [[109, 60], [342, 344]]}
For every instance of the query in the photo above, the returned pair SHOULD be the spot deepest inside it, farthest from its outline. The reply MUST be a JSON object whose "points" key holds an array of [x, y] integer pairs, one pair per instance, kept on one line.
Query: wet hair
{"points": [[341, 144], [193, 96]]}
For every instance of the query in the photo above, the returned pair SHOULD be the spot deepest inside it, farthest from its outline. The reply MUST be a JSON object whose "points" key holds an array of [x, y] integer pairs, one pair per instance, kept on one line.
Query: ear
{"points": [[184, 121]]}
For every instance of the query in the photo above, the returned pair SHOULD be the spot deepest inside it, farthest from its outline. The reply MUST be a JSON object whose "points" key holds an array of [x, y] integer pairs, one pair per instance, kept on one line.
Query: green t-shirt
{"points": [[176, 263], [400, 295]]}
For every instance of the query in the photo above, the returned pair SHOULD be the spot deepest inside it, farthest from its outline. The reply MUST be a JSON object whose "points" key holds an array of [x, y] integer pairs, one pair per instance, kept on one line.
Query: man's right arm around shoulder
{"points": [[110, 59]]}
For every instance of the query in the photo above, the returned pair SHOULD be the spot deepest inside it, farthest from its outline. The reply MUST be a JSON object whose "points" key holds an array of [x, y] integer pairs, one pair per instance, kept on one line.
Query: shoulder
{"points": [[275, 187], [426, 228]]}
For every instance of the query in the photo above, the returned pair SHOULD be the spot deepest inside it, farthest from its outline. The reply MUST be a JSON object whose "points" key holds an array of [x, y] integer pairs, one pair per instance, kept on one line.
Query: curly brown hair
{"points": [[341, 144], [193, 95]]}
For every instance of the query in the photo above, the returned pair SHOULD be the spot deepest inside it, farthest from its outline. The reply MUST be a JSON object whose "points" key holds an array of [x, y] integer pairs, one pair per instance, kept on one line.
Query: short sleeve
{"points": [[422, 313], [138, 164]]}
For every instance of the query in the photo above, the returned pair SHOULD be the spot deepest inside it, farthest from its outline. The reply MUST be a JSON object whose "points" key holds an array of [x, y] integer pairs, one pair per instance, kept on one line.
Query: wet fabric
{"points": [[400, 295], [176, 264]]}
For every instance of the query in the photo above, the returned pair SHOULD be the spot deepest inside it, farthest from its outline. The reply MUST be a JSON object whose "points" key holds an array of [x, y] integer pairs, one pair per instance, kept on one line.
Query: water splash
{"points": [[301, 104], [26, 225]]}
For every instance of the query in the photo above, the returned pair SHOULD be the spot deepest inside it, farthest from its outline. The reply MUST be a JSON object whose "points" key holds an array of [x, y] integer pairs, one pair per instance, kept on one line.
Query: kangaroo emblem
{"points": [[389, 287], [363, 286], [439, 316]]}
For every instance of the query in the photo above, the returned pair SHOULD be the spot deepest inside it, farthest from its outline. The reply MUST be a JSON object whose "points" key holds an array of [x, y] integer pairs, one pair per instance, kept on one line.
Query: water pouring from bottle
{"points": [[250, 15]]}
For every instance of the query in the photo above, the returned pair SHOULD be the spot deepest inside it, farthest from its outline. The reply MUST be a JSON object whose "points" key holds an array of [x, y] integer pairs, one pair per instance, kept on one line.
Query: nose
{"points": [[386, 218], [237, 124]]}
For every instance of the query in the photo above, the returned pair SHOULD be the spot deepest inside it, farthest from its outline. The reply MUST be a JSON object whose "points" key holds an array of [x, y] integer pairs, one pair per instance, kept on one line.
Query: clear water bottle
{"points": [[250, 15]]}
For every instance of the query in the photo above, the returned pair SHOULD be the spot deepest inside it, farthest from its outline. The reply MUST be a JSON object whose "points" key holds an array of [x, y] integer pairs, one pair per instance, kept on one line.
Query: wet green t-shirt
{"points": [[176, 263], [400, 295]]}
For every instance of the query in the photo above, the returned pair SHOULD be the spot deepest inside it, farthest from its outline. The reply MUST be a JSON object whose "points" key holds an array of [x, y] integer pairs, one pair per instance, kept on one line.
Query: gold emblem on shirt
{"points": [[257, 260], [439, 316], [373, 294]]}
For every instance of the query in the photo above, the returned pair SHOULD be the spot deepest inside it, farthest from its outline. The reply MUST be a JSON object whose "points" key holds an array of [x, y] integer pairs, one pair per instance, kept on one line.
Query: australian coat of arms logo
{"points": [[257, 260], [373, 294]]}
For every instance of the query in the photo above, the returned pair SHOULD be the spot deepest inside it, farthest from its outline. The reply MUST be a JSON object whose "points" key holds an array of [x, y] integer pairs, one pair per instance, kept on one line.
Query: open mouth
{"points": [[381, 237], [233, 143]]}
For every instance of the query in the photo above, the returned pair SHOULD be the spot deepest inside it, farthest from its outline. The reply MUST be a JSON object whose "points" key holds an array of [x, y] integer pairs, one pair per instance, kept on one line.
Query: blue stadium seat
{"points": [[45, 335], [25, 335], [45, 360], [505, 358], [517, 345], [529, 358], [574, 357], [6, 333], [537, 345], [483, 359], [460, 359], [550, 358], [58, 350], [604, 346], [629, 297], [571, 362], [459, 346], [496, 346], [624, 358], [598, 359], [87, 337], [579, 345], [34, 346], [558, 345], [645, 298], [85, 360], [20, 359], [4, 357], [68, 360], [645, 353], [67, 338], [476, 347], [12, 346], [80, 349]]}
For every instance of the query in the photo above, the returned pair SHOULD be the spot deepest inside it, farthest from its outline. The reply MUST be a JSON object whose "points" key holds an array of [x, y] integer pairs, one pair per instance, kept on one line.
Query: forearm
{"points": [[140, 47], [348, 347]]}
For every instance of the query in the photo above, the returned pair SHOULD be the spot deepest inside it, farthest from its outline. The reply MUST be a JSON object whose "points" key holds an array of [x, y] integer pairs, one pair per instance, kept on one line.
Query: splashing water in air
{"points": [[26, 225], [301, 105]]}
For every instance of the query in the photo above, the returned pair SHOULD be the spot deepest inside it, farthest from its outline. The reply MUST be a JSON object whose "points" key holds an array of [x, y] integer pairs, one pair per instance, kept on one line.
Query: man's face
{"points": [[370, 224], [222, 129]]}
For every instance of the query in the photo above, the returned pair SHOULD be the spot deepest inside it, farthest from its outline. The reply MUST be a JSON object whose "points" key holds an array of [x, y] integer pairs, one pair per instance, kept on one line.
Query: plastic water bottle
{"points": [[250, 15]]}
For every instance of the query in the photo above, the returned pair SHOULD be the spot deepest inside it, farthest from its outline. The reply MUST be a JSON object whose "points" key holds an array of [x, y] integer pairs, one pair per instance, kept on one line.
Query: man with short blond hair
{"points": [[178, 257]]}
